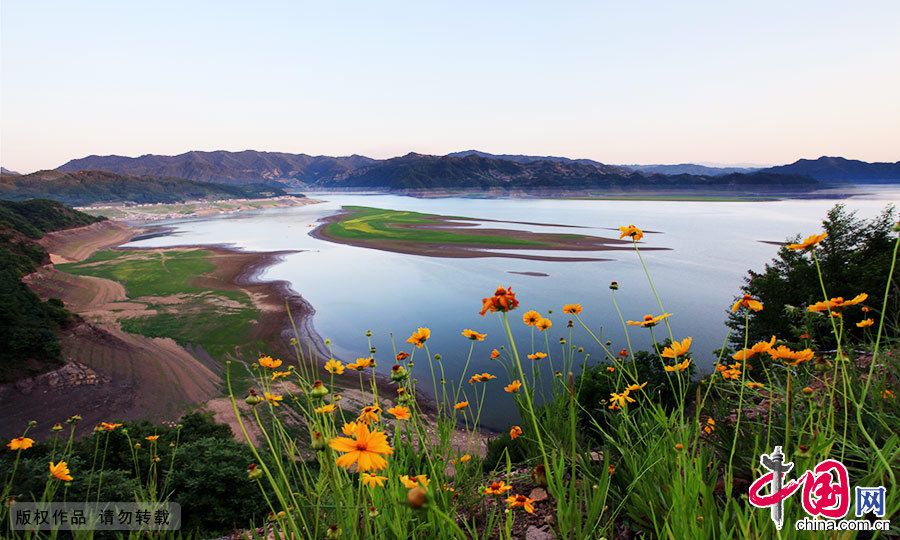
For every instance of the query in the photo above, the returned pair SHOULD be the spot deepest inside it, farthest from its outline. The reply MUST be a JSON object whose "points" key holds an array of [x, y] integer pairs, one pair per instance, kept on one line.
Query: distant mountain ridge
{"points": [[689, 168], [247, 167], [838, 168], [519, 158]]}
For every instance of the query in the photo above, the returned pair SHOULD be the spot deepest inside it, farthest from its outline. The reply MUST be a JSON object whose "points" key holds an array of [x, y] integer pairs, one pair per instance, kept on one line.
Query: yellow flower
{"points": [[635, 387], [649, 320], [632, 231], [419, 337], [473, 335], [152, 437], [277, 374], [677, 349], [748, 302], [20, 443], [887, 394], [334, 366], [372, 480], [365, 450], [360, 364], [512, 387], [514, 432], [369, 414], [544, 324], [808, 243], [273, 399], [497, 488], [619, 400], [610, 369], [710, 426], [523, 501], [758, 348], [678, 367], [464, 458], [401, 413], [865, 322], [349, 429], [109, 427], [837, 303], [537, 356], [325, 409], [754, 385], [482, 377], [796, 357], [267, 362], [60, 471], [572, 309], [531, 318], [461, 405], [410, 482]]}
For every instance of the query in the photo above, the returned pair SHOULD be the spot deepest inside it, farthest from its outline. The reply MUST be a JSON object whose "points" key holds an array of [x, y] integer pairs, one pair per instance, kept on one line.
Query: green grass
{"points": [[219, 334], [380, 224]]}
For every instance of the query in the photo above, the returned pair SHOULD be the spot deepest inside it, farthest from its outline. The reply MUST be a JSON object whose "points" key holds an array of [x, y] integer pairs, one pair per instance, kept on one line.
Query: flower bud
{"points": [[317, 440], [399, 373], [416, 497], [614, 286], [155, 459], [373, 512], [539, 476], [368, 333], [333, 532], [372, 350], [437, 357], [318, 390], [808, 392], [679, 447], [254, 472], [57, 427], [253, 398], [34, 422]]}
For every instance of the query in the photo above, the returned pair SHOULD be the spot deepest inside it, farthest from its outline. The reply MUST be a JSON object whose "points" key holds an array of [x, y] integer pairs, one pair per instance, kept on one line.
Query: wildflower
{"points": [[760, 347], [497, 488], [254, 472], [679, 447], [107, 426], [373, 512], [635, 387], [473, 335], [401, 413], [152, 437], [317, 440], [369, 414], [620, 400], [318, 390], [399, 373], [277, 374], [837, 303], [410, 482], [267, 362], [544, 324], [649, 320], [804, 336], [808, 243], [748, 302], [612, 469], [572, 309], [273, 399], [710, 426], [632, 231], [523, 501], [461, 405], [503, 301], [796, 357], [373, 480], [537, 356], [334, 366], [512, 387], [865, 322], [610, 369], [57, 427], [866, 309], [614, 285], [60, 471], [887, 394], [349, 428], [514, 432], [495, 354], [416, 497], [531, 318], [325, 409], [677, 349], [482, 377], [20, 443], [401, 356], [623, 353], [681, 366], [333, 532], [754, 385], [366, 450], [419, 337], [464, 458]]}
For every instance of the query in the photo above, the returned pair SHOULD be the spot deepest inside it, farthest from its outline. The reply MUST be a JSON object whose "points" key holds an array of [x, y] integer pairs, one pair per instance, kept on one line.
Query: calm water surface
{"points": [[710, 247]]}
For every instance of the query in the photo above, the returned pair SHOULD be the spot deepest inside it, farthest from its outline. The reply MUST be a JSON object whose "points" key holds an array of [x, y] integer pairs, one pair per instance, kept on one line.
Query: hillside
{"points": [[418, 172], [88, 187], [238, 168], [689, 168], [28, 325], [519, 158], [838, 168]]}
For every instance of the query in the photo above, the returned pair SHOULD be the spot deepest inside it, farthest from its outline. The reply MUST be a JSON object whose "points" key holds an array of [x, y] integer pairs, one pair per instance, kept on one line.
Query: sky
{"points": [[619, 82]]}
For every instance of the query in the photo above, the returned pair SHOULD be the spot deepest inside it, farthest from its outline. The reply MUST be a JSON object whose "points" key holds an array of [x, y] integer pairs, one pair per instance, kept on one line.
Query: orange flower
{"points": [[372, 480], [610, 368], [325, 409], [544, 324], [277, 374], [349, 429], [572, 309], [473, 335], [531, 318], [20, 443], [754, 385], [419, 337], [797, 357], [369, 414], [334, 366], [623, 353], [837, 303], [108, 426], [503, 300], [632, 231], [678, 367], [401, 356], [152, 437], [887, 394], [865, 322], [462, 459], [635, 387], [273, 399], [483, 377], [267, 362], [513, 386], [523, 501], [361, 364], [619, 400], [410, 482], [461, 405], [677, 349], [808, 243], [401, 413], [748, 302], [537, 356], [365, 451], [514, 432], [60, 471], [495, 354], [710, 426], [758, 348], [497, 488], [649, 320]]}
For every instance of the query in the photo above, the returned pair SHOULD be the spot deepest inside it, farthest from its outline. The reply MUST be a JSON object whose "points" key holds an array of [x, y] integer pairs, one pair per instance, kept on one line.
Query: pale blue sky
{"points": [[620, 82]]}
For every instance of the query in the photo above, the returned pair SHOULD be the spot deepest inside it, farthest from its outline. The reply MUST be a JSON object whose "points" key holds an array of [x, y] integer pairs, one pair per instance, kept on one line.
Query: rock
{"points": [[533, 533], [538, 494]]}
